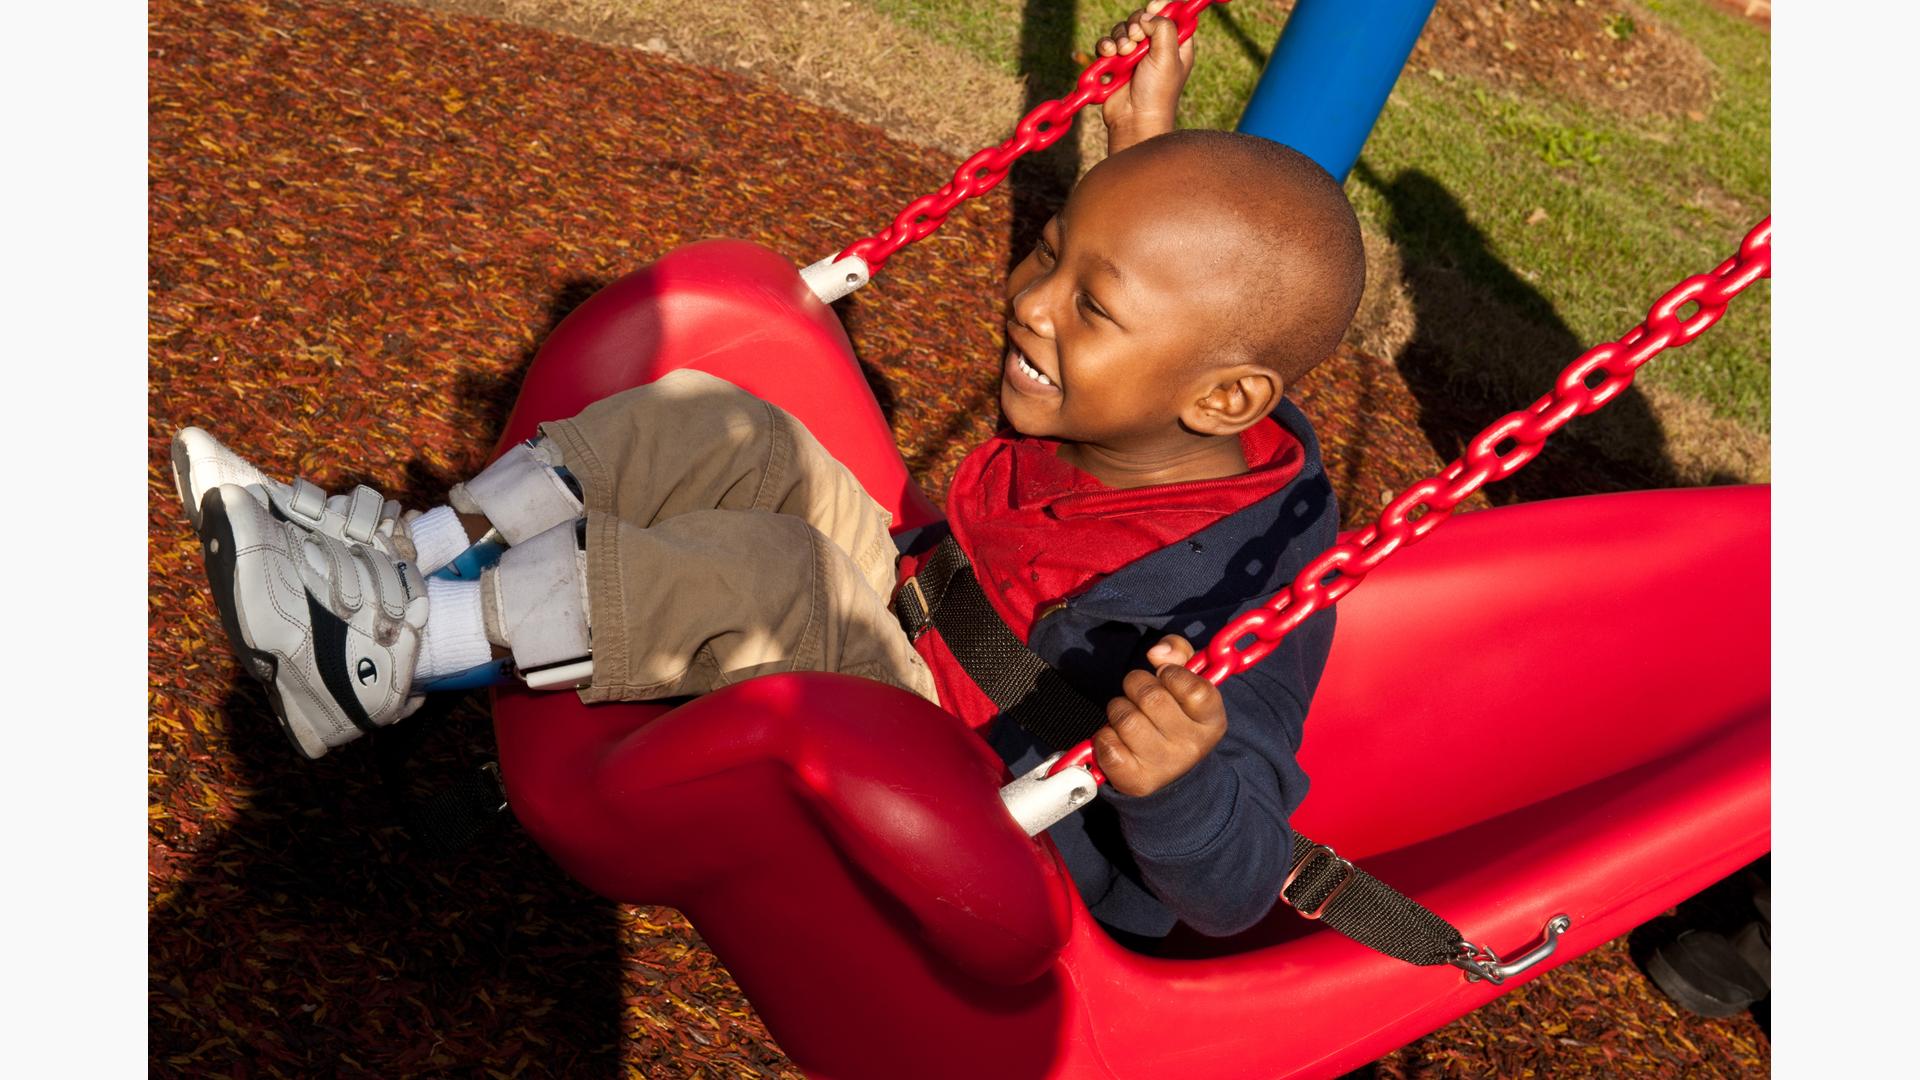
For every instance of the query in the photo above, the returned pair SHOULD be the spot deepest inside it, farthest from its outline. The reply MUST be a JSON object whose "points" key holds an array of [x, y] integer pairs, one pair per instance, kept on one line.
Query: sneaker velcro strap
{"points": [[307, 501], [343, 579], [363, 514], [395, 584]]}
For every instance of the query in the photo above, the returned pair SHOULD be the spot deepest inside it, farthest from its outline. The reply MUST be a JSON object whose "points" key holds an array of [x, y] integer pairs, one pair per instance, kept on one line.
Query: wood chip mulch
{"points": [[363, 219]]}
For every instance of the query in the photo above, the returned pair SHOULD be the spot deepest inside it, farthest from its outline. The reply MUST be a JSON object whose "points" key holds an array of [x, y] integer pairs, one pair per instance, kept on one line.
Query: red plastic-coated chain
{"points": [[1045, 125], [1506, 445]]}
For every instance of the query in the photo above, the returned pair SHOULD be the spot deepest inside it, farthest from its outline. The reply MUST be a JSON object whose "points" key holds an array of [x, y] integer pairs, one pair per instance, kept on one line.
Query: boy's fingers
{"points": [[1155, 704], [1128, 723], [1112, 753], [1172, 649], [1199, 699], [1104, 47], [1166, 36]]}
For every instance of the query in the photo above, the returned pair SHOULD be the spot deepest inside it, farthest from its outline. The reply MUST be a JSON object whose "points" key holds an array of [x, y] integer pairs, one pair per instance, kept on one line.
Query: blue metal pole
{"points": [[1330, 74]]}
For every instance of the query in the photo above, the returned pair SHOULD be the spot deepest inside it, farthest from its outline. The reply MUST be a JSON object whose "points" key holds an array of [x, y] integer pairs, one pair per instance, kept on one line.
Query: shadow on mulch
{"points": [[391, 941]]}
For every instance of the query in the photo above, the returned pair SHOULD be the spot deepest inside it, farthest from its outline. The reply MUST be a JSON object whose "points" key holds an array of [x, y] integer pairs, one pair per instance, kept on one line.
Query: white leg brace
{"points": [[520, 493], [535, 603]]}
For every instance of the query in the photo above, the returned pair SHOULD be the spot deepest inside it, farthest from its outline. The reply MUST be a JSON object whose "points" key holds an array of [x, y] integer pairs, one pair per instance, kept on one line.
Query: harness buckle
{"points": [[914, 612], [1348, 873]]}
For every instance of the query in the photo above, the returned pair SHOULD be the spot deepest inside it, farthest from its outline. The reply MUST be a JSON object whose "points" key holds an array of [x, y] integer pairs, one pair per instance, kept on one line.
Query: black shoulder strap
{"points": [[1025, 688], [944, 595]]}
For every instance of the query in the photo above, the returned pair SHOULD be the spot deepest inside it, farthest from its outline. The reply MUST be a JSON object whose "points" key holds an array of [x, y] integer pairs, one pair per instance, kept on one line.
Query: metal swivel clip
{"points": [[1483, 963]]}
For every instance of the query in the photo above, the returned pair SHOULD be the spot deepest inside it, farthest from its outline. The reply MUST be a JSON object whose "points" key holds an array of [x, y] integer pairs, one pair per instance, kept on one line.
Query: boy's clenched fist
{"points": [[1166, 721], [1145, 107]]}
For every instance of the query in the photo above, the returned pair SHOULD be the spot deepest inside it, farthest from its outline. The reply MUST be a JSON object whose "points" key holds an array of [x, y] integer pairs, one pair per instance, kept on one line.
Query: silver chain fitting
{"points": [[1480, 962]]}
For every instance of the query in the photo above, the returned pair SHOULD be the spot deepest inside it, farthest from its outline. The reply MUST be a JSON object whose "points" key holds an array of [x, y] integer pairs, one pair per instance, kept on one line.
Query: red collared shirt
{"points": [[1039, 530]]}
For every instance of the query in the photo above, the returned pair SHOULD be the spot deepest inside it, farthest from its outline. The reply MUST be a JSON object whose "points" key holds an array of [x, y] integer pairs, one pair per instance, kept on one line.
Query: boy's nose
{"points": [[1029, 310]]}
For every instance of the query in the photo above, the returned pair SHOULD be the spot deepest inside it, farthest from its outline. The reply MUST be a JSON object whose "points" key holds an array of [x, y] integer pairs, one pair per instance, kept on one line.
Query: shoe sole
{"points": [[1712, 985], [182, 486], [219, 549]]}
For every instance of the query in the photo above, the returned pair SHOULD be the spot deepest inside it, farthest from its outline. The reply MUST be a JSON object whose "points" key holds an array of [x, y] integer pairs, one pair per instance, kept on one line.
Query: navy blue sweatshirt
{"points": [[1212, 848]]}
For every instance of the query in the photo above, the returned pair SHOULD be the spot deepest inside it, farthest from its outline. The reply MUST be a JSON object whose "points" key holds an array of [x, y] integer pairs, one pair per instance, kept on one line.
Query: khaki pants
{"points": [[724, 542]]}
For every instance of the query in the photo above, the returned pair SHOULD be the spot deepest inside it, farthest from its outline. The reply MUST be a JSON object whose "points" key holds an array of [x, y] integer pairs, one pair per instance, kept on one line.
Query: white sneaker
{"points": [[332, 628], [201, 463]]}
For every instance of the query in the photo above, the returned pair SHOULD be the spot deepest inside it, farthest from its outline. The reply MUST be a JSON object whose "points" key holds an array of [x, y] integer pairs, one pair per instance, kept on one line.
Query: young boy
{"points": [[684, 535]]}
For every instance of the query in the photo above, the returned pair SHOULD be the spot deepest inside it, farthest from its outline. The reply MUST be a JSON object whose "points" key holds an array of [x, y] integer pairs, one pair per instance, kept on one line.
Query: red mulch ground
{"points": [[363, 219]]}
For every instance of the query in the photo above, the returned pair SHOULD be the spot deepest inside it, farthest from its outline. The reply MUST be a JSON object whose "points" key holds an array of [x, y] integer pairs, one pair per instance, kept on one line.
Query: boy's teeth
{"points": [[1031, 371]]}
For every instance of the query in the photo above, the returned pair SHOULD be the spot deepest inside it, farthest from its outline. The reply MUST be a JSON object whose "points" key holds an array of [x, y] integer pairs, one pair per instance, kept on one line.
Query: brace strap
{"points": [[363, 512], [522, 494], [1324, 886], [535, 601]]}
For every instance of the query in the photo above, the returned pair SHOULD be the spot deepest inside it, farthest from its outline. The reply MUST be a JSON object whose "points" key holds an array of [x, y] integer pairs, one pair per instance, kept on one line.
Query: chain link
{"points": [[1506, 445], [1045, 125]]}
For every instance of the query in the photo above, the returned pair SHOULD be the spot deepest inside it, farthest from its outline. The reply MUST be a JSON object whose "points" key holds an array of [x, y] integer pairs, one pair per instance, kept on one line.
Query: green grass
{"points": [[1455, 167], [1631, 207]]}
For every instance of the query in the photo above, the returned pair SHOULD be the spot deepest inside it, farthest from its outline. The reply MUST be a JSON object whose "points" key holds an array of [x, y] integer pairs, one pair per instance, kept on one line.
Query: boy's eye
{"points": [[1086, 304], [1043, 250]]}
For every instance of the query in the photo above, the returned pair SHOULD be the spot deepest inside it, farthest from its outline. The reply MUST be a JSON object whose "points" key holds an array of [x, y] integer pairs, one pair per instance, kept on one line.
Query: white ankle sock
{"points": [[438, 538], [455, 636]]}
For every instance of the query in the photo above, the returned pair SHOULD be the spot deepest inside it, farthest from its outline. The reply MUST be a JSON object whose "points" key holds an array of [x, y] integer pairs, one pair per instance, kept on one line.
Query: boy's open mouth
{"points": [[1025, 375]]}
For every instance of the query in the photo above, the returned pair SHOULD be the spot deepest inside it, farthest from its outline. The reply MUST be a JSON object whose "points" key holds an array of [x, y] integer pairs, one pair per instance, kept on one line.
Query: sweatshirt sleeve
{"points": [[1214, 846]]}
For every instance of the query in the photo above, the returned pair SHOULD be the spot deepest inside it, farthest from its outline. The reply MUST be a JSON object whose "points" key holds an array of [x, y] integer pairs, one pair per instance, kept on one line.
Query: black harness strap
{"points": [[944, 595], [1324, 886]]}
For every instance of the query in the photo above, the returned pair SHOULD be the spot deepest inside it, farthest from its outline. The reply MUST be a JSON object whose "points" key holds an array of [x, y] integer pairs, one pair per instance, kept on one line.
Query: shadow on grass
{"points": [[1040, 182], [1486, 341], [1248, 47]]}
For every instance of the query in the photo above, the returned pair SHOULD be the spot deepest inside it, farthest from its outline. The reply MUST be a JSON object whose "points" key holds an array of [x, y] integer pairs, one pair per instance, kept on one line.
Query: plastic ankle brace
{"points": [[535, 603], [522, 494]]}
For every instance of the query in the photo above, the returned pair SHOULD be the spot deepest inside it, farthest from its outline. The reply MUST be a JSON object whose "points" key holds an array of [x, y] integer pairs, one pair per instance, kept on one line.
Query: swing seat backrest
{"points": [[738, 311]]}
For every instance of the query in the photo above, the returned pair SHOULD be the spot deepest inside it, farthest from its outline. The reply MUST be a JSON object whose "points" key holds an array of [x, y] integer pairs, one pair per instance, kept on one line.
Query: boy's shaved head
{"points": [[1295, 253], [1188, 280]]}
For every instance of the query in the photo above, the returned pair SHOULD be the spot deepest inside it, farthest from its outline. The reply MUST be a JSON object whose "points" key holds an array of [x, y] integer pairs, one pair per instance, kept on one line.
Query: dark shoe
{"points": [[1706, 974], [1754, 943]]}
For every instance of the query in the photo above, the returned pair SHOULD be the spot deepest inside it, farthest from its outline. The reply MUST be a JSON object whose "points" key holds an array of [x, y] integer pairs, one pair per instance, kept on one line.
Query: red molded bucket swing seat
{"points": [[1556, 707]]}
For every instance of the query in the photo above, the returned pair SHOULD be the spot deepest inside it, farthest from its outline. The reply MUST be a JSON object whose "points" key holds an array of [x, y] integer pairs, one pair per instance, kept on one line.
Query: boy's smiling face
{"points": [[1115, 315]]}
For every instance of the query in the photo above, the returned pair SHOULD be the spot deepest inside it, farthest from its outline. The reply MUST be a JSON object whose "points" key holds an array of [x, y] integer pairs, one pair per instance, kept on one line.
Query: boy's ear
{"points": [[1236, 398]]}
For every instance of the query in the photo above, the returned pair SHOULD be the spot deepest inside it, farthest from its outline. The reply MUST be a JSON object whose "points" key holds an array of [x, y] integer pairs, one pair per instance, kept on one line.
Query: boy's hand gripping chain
{"points": [[1065, 782], [837, 275]]}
